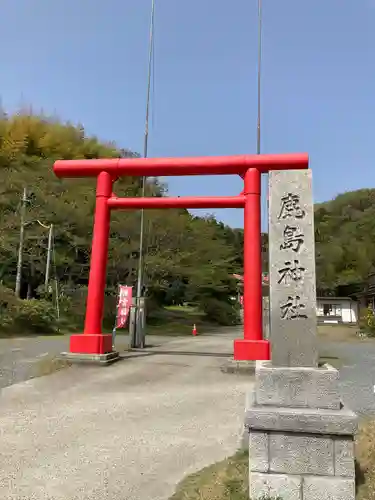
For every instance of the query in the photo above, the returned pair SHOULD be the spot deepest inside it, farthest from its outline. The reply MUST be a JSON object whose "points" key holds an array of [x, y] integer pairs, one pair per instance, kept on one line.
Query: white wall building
{"points": [[334, 310]]}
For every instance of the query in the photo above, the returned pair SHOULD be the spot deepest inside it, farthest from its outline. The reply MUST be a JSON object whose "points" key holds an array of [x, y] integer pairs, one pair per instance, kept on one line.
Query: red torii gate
{"points": [[107, 171]]}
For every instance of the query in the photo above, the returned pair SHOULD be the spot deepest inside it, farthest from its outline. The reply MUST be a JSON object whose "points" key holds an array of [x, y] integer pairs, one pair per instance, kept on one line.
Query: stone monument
{"points": [[300, 433]]}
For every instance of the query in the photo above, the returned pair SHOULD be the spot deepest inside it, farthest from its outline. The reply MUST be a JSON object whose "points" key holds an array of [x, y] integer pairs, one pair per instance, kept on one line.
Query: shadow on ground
{"points": [[147, 352]]}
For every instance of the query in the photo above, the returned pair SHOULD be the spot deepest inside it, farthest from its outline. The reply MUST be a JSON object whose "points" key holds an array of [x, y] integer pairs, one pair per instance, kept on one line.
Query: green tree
{"points": [[344, 234], [198, 252]]}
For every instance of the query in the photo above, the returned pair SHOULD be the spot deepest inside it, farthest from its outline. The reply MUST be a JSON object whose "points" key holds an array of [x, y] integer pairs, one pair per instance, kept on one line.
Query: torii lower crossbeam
{"points": [[249, 167]]}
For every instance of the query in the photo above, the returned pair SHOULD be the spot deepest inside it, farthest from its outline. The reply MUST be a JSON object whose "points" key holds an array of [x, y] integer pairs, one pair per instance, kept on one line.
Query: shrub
{"points": [[109, 309], [73, 303], [25, 316], [36, 316], [221, 312], [8, 302], [73, 307], [367, 321]]}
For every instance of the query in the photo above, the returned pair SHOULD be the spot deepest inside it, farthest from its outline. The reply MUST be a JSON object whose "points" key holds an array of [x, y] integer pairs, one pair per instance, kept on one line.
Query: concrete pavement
{"points": [[129, 431], [20, 356]]}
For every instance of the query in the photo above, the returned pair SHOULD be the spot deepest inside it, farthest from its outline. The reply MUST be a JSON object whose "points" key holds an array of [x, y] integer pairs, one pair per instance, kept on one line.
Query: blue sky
{"points": [[86, 60]]}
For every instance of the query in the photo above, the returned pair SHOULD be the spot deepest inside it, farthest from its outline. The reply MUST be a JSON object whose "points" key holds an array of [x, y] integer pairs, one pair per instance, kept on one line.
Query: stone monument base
{"points": [[300, 435]]}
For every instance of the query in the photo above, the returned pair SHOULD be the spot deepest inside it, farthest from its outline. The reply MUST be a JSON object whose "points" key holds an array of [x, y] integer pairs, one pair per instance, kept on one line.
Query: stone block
{"points": [[297, 387], [292, 269], [258, 451], [274, 486], [301, 454], [305, 420], [324, 488], [344, 457], [243, 439]]}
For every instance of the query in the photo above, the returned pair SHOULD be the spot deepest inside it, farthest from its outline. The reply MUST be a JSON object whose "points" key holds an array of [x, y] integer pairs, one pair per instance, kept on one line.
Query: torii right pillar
{"points": [[253, 346]]}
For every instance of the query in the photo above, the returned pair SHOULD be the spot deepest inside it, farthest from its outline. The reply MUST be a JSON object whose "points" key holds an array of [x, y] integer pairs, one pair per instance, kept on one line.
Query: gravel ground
{"points": [[357, 373], [19, 357], [19, 360], [130, 431], [135, 429]]}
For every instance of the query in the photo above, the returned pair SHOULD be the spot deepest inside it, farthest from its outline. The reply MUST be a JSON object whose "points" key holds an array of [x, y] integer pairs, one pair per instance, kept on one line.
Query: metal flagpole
{"points": [[137, 339], [116, 316], [56, 282], [265, 306], [259, 70], [48, 261]]}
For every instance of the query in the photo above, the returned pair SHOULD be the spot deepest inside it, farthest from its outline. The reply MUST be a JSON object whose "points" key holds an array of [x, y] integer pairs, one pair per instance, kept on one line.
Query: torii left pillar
{"points": [[93, 341], [95, 345]]}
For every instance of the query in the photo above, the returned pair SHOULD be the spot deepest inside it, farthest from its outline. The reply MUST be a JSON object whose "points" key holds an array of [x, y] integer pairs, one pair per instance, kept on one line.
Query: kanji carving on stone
{"points": [[293, 238], [291, 207], [293, 308], [292, 272]]}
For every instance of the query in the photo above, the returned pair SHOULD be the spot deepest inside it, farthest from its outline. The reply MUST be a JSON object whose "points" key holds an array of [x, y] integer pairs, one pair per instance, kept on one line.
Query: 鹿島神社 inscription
{"points": [[292, 269]]}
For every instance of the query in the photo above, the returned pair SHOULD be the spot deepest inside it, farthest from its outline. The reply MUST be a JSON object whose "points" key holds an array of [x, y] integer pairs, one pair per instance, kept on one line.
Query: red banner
{"points": [[123, 305]]}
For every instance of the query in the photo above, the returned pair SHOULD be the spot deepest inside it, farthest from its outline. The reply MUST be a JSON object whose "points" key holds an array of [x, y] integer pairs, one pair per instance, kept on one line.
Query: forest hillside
{"points": [[188, 258]]}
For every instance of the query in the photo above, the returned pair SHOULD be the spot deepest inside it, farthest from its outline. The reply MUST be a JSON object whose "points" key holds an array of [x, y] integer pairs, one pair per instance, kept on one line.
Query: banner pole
{"points": [[116, 315]]}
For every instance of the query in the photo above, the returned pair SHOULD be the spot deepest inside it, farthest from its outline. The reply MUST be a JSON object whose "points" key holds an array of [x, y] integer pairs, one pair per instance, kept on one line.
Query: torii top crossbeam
{"points": [[154, 167]]}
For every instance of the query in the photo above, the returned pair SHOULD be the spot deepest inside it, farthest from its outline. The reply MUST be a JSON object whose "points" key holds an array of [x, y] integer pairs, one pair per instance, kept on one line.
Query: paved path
{"points": [[20, 357], [357, 374], [130, 431]]}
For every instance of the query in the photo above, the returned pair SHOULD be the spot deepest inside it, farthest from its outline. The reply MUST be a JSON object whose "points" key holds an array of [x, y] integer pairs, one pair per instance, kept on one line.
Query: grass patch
{"points": [[174, 328], [228, 480], [340, 333], [365, 466], [178, 320], [184, 309]]}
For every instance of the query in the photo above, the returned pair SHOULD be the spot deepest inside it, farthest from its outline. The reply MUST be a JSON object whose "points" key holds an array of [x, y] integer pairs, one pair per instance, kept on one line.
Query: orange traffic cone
{"points": [[194, 330]]}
